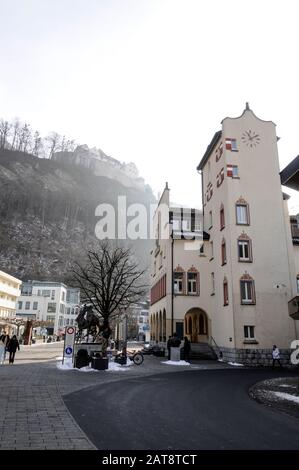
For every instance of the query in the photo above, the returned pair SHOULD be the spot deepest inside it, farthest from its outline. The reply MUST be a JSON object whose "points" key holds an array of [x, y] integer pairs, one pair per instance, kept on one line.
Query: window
{"points": [[210, 219], [20, 304], [155, 267], [223, 252], [178, 283], [231, 144], [61, 308], [60, 321], [161, 259], [46, 293], [297, 284], [53, 295], [67, 321], [51, 307], [242, 214], [219, 152], [35, 305], [27, 305], [225, 292], [68, 310], [212, 250], [192, 283], [176, 224], [232, 171], [39, 293], [220, 178], [248, 332], [63, 296], [50, 318], [222, 220], [244, 250], [212, 283], [247, 291]]}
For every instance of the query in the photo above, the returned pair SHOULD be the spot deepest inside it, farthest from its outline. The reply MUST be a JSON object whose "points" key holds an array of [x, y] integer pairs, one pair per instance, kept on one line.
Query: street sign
{"points": [[69, 339]]}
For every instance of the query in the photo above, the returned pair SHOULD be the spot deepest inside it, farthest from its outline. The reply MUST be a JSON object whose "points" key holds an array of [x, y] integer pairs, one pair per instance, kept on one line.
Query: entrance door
{"points": [[179, 328]]}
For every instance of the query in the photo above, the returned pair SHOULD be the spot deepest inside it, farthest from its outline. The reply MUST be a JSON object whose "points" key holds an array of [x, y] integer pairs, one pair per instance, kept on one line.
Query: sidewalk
{"points": [[33, 413]]}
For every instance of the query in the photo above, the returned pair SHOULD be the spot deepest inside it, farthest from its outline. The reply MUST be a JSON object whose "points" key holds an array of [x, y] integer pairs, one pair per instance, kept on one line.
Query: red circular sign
{"points": [[70, 330]]}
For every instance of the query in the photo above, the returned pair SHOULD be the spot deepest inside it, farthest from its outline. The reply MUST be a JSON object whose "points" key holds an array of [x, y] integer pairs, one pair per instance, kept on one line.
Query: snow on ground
{"points": [[112, 366], [287, 396], [235, 364], [176, 363], [287, 386]]}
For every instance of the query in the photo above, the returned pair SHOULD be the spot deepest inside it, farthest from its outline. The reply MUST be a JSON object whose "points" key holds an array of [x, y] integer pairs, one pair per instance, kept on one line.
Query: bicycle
{"points": [[136, 357]]}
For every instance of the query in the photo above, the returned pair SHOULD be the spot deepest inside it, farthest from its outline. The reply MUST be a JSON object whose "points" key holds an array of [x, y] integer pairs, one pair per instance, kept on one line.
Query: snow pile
{"points": [[176, 363], [235, 364], [287, 396], [112, 366]]}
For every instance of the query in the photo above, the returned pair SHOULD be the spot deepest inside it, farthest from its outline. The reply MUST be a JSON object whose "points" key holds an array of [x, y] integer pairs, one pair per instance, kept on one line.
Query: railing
{"points": [[217, 347]]}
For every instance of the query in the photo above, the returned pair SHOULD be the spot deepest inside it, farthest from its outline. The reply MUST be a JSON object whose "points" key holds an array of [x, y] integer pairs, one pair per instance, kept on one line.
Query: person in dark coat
{"points": [[187, 349], [13, 345]]}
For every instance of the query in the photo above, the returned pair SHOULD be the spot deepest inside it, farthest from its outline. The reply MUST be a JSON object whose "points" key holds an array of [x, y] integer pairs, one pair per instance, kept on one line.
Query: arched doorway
{"points": [[197, 325]]}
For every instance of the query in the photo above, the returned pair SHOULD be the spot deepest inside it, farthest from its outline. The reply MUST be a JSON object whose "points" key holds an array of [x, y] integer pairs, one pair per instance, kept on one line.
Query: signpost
{"points": [[69, 339]]}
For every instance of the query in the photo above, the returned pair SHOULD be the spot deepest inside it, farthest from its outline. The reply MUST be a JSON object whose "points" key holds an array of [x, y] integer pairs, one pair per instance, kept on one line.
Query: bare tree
{"points": [[37, 144], [24, 137], [54, 140], [4, 133], [15, 134], [110, 281]]}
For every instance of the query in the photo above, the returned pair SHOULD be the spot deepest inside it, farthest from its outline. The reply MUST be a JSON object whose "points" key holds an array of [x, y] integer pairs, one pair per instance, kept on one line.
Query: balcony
{"points": [[9, 290], [4, 303], [294, 308]]}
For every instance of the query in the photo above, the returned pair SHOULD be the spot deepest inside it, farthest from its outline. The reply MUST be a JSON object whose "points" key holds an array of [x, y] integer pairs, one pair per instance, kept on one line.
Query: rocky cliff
{"points": [[47, 214]]}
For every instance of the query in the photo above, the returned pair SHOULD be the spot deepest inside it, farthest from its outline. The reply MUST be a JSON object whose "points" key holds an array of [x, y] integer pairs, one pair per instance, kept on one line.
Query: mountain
{"points": [[47, 211]]}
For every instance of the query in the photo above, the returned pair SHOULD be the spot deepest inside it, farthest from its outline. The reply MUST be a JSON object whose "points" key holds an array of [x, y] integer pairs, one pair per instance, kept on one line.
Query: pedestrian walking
{"points": [[3, 344], [12, 346], [275, 356], [187, 349]]}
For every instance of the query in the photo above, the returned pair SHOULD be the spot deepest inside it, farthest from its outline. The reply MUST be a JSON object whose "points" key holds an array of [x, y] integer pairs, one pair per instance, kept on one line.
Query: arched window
{"points": [[193, 281], [222, 219], [225, 292], [242, 212], [223, 252], [244, 248], [247, 289]]}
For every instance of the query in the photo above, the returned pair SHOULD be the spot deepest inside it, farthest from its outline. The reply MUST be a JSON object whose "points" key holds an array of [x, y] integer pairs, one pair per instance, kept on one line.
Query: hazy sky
{"points": [[149, 81]]}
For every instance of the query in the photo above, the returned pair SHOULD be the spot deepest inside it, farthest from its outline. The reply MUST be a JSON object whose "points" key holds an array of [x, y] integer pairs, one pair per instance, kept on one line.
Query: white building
{"points": [[50, 302], [9, 292], [234, 294]]}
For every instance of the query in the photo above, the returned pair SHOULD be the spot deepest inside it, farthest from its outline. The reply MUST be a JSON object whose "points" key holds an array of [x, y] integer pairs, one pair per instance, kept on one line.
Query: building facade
{"points": [[9, 292], [246, 270], [50, 302]]}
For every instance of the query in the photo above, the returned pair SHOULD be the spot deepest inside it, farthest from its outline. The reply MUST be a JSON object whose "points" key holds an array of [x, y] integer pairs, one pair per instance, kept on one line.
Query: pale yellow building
{"points": [[9, 292], [246, 270]]}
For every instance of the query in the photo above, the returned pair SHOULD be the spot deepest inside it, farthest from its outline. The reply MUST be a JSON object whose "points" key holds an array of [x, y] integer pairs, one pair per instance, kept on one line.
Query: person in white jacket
{"points": [[276, 356], [3, 344]]}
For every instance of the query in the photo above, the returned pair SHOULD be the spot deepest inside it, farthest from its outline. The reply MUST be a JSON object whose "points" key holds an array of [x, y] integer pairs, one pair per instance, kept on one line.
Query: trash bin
{"points": [[82, 359], [99, 363]]}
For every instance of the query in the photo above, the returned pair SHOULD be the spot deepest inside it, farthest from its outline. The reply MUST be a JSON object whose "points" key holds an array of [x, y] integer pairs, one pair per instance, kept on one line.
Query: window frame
{"points": [[249, 332], [223, 253], [225, 293], [246, 206], [251, 289]]}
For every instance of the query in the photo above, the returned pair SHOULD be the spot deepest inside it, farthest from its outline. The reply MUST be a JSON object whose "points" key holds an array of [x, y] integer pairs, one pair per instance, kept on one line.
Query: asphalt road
{"points": [[207, 409]]}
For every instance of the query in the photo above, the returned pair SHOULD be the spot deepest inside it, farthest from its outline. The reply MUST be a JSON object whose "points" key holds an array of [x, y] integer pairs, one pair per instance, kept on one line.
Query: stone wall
{"points": [[252, 357]]}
